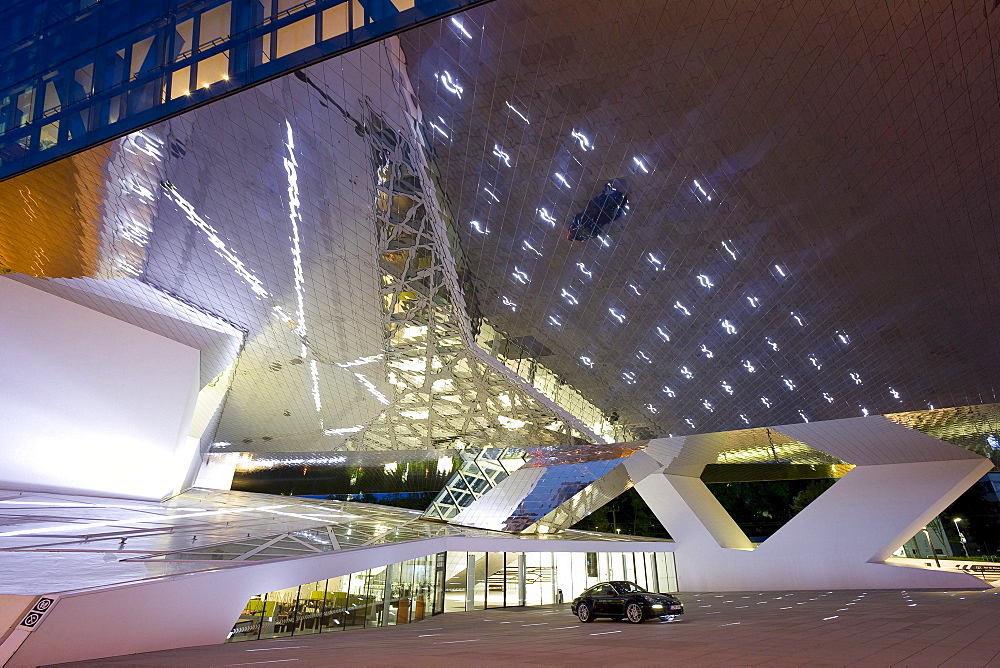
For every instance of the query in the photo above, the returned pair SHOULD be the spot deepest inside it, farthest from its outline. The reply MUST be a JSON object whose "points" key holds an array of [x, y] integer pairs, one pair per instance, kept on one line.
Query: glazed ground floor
{"points": [[831, 628]]}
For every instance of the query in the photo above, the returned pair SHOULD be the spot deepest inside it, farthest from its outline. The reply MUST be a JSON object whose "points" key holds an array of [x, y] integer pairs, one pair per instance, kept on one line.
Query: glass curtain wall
{"points": [[81, 72], [409, 591]]}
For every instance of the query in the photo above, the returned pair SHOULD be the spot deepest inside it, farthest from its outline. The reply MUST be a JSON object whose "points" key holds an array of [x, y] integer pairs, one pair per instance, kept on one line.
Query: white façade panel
{"points": [[90, 404]]}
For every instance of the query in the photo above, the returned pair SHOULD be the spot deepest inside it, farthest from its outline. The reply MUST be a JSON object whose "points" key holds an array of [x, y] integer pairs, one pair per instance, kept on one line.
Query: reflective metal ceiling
{"points": [[810, 230]]}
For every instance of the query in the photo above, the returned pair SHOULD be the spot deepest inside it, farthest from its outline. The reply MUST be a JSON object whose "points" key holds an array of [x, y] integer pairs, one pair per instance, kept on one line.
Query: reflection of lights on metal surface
{"points": [[282, 316], [689, 422], [644, 357], [788, 383], [587, 361], [728, 326], [555, 321], [994, 443], [479, 227], [562, 180], [450, 83], [582, 139], [520, 276], [628, 377], [769, 341], [669, 392], [370, 386], [895, 394], [507, 302], [437, 128], [856, 378], [705, 281], [603, 238], [584, 270], [635, 289], [616, 314], [220, 246], [706, 352], [745, 419], [360, 361], [663, 334], [754, 302], [798, 319], [765, 401], [640, 164], [843, 337], [569, 297], [547, 217], [727, 388], [815, 362], [748, 365], [314, 372], [502, 154], [492, 194], [295, 216], [829, 399], [343, 430], [780, 271], [707, 405], [461, 28], [680, 307], [686, 372], [729, 250], [803, 416], [864, 411], [519, 114], [652, 409], [655, 261], [702, 191], [527, 246]]}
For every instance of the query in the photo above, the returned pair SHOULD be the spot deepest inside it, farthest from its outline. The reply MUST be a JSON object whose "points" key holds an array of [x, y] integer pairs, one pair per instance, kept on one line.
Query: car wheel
{"points": [[633, 612], [584, 612]]}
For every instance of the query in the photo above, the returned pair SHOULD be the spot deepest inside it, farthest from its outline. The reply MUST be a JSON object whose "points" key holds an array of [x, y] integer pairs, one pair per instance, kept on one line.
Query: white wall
{"points": [[90, 404]]}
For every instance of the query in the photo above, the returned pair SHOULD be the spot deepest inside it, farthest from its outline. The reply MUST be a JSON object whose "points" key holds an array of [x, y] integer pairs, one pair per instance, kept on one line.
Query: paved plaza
{"points": [[798, 628]]}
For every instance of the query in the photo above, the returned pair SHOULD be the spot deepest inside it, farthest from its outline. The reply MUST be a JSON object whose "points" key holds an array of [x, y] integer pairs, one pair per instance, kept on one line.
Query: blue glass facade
{"points": [[77, 73]]}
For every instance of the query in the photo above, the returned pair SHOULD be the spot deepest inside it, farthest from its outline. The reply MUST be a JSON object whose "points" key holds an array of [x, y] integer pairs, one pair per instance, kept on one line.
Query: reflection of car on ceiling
{"points": [[609, 206]]}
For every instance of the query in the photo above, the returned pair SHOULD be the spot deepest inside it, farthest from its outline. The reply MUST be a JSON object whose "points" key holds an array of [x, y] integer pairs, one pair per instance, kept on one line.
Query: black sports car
{"points": [[624, 600], [607, 207]]}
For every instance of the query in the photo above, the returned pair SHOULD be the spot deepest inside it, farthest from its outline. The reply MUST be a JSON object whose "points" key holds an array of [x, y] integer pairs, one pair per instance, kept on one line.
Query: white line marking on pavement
{"points": [[268, 649], [254, 663], [560, 628], [452, 642], [536, 624], [604, 633], [428, 635]]}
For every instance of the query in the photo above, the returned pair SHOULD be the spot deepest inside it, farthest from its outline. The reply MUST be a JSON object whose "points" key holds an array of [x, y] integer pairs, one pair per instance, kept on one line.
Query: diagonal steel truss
{"points": [[446, 394]]}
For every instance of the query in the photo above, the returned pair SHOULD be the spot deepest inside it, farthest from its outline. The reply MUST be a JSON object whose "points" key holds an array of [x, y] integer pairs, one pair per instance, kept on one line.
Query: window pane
{"points": [[214, 25], [296, 36]]}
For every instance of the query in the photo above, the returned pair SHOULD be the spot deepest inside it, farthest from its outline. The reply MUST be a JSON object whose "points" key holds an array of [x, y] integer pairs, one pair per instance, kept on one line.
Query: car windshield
{"points": [[627, 587]]}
